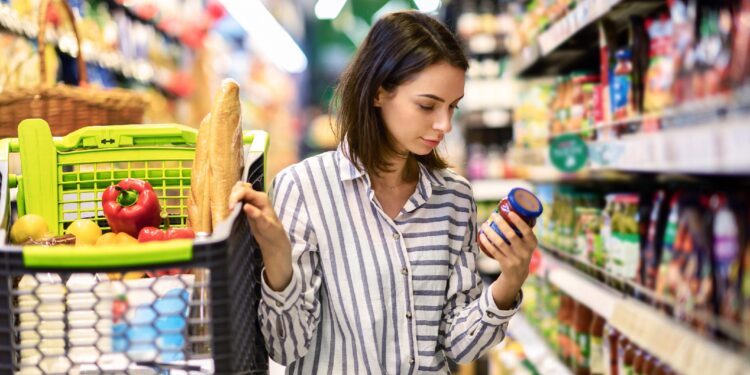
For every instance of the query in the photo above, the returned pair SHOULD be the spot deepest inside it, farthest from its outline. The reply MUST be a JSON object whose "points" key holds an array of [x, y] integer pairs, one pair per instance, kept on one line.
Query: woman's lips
{"points": [[430, 142]]}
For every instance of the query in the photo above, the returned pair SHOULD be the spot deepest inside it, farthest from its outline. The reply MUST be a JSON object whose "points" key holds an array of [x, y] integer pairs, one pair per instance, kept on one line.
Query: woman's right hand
{"points": [[268, 231]]}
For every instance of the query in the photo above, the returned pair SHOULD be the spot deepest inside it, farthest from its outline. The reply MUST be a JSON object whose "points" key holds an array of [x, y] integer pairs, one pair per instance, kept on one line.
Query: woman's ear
{"points": [[379, 97]]}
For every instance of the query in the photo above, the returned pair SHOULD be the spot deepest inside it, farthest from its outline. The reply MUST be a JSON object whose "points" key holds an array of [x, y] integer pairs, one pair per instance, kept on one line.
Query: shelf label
{"points": [[568, 153]]}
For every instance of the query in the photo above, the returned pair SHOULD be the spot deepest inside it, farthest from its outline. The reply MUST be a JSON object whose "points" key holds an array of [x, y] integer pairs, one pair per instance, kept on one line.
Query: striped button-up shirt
{"points": [[371, 294]]}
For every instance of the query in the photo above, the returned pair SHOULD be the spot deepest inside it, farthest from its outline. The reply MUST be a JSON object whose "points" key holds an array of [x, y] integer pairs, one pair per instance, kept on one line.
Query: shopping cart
{"points": [[180, 306]]}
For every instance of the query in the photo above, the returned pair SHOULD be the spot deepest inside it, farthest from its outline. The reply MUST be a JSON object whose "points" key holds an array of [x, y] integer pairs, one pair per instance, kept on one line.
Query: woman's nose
{"points": [[444, 123]]}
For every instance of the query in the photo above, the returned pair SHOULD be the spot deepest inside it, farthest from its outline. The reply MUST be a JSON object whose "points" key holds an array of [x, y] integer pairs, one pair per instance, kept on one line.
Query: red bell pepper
{"points": [[149, 234], [131, 205]]}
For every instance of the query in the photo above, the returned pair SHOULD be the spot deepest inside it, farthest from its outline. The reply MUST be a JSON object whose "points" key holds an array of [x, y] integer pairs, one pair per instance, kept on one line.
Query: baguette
{"points": [[225, 149], [199, 212]]}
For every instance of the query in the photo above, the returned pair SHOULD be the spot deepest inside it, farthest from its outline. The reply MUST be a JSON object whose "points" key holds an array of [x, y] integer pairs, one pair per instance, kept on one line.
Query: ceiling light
{"points": [[427, 6], [268, 36], [328, 9]]}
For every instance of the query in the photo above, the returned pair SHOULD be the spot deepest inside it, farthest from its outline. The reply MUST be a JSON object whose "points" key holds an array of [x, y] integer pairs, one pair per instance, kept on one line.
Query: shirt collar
{"points": [[348, 169]]}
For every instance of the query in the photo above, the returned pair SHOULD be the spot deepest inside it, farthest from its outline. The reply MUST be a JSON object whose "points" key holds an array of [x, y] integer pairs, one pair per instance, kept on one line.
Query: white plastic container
{"points": [[41, 324]]}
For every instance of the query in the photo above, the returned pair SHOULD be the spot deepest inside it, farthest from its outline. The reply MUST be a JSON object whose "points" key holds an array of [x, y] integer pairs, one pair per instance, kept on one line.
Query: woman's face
{"points": [[418, 112]]}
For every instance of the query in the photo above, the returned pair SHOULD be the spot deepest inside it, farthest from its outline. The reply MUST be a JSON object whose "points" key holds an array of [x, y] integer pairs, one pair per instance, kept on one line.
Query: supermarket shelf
{"points": [[141, 71], [566, 44], [537, 350], [133, 15], [600, 298], [550, 174], [708, 137], [717, 147], [494, 190], [672, 341]]}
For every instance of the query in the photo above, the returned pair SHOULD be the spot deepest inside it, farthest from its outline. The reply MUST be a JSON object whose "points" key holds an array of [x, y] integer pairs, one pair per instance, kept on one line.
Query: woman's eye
{"points": [[426, 107]]}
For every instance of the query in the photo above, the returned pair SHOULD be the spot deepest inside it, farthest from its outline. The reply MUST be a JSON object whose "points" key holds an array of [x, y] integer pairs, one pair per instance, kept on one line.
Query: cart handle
{"points": [[108, 256], [170, 132]]}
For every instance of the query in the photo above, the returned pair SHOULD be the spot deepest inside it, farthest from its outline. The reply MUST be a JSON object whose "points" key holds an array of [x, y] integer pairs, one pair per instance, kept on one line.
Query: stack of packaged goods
{"points": [[692, 58], [537, 16], [684, 251]]}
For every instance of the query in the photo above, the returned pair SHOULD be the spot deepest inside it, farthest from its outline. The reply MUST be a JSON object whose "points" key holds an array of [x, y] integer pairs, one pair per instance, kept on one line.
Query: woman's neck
{"points": [[402, 171]]}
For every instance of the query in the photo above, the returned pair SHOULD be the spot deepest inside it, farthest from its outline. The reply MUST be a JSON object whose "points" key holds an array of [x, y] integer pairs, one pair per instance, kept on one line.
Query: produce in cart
{"points": [[130, 206], [86, 231], [28, 227]]}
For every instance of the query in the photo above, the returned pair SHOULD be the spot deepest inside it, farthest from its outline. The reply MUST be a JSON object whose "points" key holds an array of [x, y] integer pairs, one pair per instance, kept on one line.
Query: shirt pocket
{"points": [[356, 272], [430, 267]]}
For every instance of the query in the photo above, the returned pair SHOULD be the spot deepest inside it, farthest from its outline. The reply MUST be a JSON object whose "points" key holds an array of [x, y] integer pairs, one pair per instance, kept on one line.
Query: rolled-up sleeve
{"points": [[472, 322], [289, 318]]}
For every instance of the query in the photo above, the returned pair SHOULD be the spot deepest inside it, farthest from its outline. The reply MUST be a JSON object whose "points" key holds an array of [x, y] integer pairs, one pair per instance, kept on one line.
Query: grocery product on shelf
{"points": [[588, 246], [585, 341], [686, 271], [623, 245], [621, 86], [532, 116], [596, 346], [660, 73], [581, 339], [680, 251], [740, 65], [727, 254], [652, 249]]}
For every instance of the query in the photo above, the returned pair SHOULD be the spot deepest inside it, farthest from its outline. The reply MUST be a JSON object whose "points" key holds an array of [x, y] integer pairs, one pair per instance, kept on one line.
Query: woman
{"points": [[370, 265]]}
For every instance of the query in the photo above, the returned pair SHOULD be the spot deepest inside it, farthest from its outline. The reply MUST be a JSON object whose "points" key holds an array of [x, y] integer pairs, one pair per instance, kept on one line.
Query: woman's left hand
{"points": [[514, 256]]}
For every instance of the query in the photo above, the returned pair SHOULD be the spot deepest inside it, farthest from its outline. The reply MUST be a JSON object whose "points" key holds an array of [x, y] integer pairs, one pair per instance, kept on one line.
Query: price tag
{"points": [[568, 153]]}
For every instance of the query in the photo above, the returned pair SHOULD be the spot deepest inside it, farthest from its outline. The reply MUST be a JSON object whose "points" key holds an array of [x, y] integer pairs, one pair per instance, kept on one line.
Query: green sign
{"points": [[568, 153]]}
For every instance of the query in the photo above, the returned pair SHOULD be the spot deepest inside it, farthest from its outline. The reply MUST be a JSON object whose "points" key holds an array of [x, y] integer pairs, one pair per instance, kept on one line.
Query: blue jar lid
{"points": [[525, 203]]}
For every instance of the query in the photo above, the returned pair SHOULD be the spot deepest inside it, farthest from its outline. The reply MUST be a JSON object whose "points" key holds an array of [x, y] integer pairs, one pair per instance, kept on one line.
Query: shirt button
{"points": [[411, 360], [490, 315], [408, 315], [396, 235], [404, 271], [279, 304]]}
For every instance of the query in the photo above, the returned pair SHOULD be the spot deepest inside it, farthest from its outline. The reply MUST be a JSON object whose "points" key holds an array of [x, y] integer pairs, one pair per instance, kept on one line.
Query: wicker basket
{"points": [[67, 108]]}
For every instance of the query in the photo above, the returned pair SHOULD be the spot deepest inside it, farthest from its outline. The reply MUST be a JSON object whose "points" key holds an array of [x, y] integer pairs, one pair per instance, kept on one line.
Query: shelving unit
{"points": [[536, 349], [566, 44], [673, 342], [132, 14], [139, 70]]}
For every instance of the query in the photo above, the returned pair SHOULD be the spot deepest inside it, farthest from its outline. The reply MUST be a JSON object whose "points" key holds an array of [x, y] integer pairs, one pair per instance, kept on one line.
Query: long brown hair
{"points": [[397, 47]]}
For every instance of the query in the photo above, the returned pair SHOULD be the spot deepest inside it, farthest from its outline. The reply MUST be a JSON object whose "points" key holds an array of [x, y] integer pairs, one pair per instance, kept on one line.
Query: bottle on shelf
{"points": [[597, 357], [582, 319], [625, 356], [564, 316], [611, 348], [638, 361]]}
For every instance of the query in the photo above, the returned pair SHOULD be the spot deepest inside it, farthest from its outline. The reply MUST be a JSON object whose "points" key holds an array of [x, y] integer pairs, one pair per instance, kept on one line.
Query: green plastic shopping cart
{"points": [[108, 309]]}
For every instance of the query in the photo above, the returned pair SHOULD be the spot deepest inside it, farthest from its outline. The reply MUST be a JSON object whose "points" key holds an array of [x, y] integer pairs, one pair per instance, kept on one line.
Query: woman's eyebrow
{"points": [[431, 96]]}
